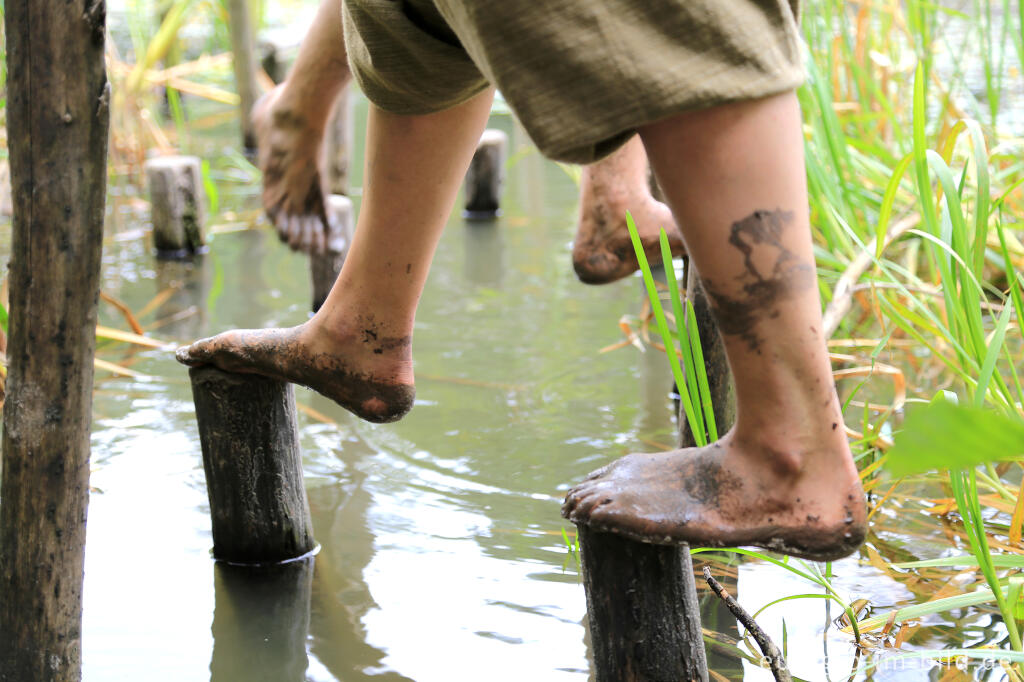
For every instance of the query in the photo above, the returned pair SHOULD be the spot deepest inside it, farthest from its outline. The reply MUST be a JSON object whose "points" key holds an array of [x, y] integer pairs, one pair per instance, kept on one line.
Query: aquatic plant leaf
{"points": [[967, 560], [942, 435]]}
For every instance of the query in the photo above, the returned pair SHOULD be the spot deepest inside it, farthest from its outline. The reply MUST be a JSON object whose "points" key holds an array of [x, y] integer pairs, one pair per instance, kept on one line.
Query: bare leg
{"points": [[357, 350], [290, 122], [602, 251], [783, 477]]}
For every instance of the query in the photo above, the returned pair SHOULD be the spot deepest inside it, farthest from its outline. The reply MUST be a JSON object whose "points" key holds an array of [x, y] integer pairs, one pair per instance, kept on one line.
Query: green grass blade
{"points": [[690, 368], [659, 316]]}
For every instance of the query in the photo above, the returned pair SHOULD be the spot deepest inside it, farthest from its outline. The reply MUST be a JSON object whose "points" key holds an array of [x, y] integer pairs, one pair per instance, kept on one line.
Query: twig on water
{"points": [[767, 646]]}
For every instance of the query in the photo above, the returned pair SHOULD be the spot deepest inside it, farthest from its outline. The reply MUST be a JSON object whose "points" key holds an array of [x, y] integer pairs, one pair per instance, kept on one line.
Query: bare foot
{"points": [[290, 157], [725, 495], [364, 371], [602, 251]]}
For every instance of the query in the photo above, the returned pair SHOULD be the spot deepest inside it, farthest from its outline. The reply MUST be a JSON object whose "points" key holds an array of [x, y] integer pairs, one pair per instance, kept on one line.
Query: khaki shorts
{"points": [[581, 75]]}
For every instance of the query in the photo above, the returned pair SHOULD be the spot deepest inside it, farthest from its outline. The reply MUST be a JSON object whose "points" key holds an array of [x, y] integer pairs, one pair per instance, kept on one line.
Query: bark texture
{"points": [[243, 51], [643, 610], [253, 466], [486, 176], [58, 119]]}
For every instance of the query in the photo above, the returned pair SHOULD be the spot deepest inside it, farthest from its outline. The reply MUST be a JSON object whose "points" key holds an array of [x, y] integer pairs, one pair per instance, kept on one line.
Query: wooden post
{"points": [[253, 466], [176, 205], [642, 599], [261, 621], [643, 610], [58, 119], [324, 267], [485, 176], [244, 58], [339, 138]]}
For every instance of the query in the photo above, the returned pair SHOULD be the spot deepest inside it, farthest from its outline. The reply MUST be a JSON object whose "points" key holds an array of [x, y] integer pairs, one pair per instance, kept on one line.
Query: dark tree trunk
{"points": [[58, 118], [642, 605]]}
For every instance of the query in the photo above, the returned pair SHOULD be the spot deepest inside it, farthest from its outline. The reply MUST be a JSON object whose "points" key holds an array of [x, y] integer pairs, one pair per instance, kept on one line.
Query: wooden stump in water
{"points": [[643, 610], [253, 467], [324, 267], [486, 176], [175, 195], [338, 141]]}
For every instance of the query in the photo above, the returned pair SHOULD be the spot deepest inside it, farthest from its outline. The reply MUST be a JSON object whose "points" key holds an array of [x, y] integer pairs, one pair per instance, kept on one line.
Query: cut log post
{"points": [[175, 195], [642, 599], [643, 610], [244, 58], [486, 176], [324, 267], [338, 140], [253, 466], [261, 621], [58, 114]]}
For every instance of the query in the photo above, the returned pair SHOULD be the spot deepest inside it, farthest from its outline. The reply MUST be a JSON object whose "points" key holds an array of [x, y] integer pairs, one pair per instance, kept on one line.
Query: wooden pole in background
{"points": [[58, 120], [244, 57]]}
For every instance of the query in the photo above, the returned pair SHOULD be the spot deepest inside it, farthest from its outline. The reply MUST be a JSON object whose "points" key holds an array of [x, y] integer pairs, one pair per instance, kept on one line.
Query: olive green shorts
{"points": [[581, 75]]}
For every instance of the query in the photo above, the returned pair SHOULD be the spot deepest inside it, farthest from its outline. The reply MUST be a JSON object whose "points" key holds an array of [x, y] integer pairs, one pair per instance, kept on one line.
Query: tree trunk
{"points": [[58, 119]]}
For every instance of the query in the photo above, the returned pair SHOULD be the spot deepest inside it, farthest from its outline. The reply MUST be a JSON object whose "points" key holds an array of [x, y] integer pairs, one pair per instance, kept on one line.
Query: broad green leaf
{"points": [[946, 436]]}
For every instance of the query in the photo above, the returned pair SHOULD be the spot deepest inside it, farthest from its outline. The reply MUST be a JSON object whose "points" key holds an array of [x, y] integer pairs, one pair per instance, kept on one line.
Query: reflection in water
{"points": [[260, 622], [182, 314], [485, 253], [341, 597]]}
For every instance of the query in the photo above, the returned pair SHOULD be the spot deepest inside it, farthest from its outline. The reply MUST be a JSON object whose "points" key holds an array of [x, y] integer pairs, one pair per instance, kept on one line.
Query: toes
{"points": [[294, 232], [196, 354], [281, 225]]}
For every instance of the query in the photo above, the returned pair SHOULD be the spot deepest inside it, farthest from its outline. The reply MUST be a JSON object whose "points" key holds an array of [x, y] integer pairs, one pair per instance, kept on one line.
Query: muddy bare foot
{"points": [[725, 496], [366, 372], [290, 157], [602, 251]]}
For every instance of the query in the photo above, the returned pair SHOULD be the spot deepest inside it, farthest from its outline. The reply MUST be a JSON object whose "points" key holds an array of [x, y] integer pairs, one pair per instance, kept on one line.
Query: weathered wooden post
{"points": [[58, 119], [261, 621], [253, 467], [176, 205], [244, 57], [338, 141], [324, 267], [486, 176], [641, 599]]}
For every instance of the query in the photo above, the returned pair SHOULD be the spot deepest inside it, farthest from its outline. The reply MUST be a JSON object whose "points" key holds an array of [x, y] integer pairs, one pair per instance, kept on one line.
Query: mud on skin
{"points": [[772, 273], [279, 354]]}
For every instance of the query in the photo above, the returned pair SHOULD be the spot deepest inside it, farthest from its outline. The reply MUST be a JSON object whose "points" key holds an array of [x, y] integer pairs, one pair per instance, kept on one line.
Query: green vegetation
{"points": [[915, 173]]}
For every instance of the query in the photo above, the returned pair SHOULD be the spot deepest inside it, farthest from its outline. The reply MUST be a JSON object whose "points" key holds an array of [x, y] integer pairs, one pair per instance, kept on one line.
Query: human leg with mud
{"points": [[783, 477], [357, 350], [290, 121]]}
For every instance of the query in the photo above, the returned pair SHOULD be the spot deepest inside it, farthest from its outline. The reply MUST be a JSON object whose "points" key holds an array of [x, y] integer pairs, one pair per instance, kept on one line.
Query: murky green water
{"points": [[442, 553]]}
